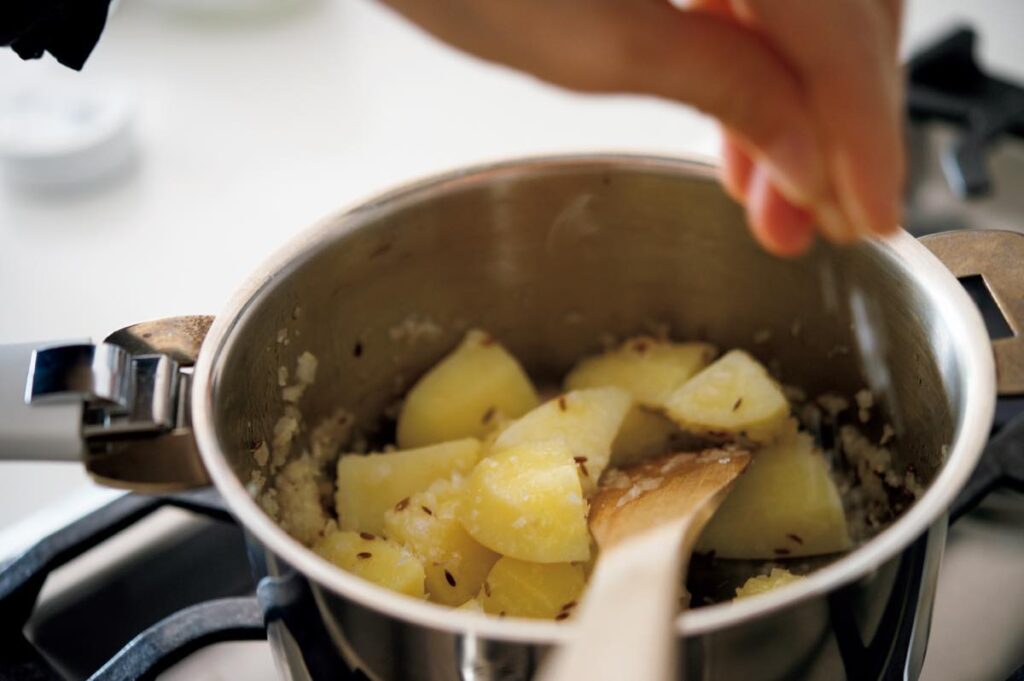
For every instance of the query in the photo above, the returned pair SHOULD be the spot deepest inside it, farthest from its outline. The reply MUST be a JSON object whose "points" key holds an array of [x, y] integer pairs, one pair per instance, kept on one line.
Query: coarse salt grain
{"points": [[261, 454], [305, 368]]}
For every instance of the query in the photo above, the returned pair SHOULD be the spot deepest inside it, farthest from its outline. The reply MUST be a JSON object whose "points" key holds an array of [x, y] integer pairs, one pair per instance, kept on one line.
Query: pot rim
{"points": [[967, 330]]}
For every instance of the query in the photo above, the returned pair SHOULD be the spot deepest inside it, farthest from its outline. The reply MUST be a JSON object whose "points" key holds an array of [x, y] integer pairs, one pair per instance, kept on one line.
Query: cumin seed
{"points": [[796, 538], [363, 555], [562, 403], [427, 510], [449, 578], [488, 415], [487, 589], [737, 403], [782, 552], [400, 506], [561, 616], [367, 536]]}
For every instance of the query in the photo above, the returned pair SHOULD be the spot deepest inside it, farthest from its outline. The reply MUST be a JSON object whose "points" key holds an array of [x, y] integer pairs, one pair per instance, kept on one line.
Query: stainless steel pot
{"points": [[550, 255]]}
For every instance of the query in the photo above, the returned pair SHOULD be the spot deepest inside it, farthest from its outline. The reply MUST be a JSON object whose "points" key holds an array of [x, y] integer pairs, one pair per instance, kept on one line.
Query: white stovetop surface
{"points": [[250, 130]]}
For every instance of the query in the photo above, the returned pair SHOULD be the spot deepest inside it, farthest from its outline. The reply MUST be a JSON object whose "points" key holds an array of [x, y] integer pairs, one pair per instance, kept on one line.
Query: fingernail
{"points": [[796, 166]]}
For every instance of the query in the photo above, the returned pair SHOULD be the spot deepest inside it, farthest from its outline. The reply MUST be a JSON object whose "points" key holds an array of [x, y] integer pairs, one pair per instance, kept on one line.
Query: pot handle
{"points": [[120, 406], [998, 257], [32, 433]]}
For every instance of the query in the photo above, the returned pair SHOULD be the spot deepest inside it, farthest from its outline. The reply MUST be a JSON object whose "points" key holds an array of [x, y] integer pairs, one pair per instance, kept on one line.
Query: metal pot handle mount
{"points": [[998, 257], [120, 406]]}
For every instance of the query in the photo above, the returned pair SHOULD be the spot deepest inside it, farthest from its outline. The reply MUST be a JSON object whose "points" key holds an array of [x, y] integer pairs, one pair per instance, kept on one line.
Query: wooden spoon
{"points": [[646, 520]]}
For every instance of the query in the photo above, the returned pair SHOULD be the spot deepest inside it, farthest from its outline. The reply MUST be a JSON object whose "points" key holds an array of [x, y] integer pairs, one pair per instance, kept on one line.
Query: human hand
{"points": [[808, 93]]}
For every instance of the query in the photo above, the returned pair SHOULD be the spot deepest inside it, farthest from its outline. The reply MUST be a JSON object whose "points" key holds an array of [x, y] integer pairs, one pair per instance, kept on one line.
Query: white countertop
{"points": [[251, 130]]}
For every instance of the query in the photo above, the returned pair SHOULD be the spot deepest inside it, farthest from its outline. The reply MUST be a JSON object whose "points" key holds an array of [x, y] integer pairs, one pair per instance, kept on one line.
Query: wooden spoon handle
{"points": [[624, 626]]}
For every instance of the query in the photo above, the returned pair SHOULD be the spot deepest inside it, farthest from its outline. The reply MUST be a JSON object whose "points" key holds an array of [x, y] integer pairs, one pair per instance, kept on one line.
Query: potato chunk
{"points": [[644, 434], [462, 393], [647, 368], [764, 583], [735, 395], [368, 485], [517, 588], [585, 422], [455, 563], [784, 505], [375, 559], [527, 502]]}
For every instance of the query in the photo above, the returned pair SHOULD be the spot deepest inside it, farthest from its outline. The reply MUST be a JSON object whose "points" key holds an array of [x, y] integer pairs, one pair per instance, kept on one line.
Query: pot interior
{"points": [[554, 258]]}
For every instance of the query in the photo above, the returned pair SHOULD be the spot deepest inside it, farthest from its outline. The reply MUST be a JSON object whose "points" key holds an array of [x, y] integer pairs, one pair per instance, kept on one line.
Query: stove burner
{"points": [[224, 604], [945, 82]]}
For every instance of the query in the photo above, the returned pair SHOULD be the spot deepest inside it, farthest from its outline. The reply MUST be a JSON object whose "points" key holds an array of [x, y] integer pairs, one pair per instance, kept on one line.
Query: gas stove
{"points": [[147, 587]]}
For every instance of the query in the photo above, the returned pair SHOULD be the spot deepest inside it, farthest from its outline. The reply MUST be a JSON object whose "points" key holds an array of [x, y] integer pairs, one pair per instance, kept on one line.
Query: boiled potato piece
{"points": [[461, 395], [735, 396], [644, 434], [455, 563], [517, 588], [647, 368], [784, 505], [527, 502], [369, 485], [585, 422], [375, 559], [763, 583]]}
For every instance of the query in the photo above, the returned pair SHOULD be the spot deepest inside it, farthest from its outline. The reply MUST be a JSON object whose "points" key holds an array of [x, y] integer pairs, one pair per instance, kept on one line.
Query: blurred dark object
{"points": [[965, 141], [945, 82], [67, 29]]}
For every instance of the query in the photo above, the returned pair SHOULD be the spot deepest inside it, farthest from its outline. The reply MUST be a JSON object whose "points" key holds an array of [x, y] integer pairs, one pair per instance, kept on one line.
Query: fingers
{"points": [[736, 168], [779, 226], [700, 58], [843, 51], [732, 74], [892, 11], [808, 89]]}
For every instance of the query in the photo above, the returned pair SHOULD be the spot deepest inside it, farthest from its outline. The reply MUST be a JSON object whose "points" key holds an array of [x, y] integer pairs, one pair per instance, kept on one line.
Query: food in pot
{"points": [[520, 588], [762, 583], [427, 522], [461, 396], [648, 369], [644, 433], [374, 558], [485, 505], [369, 485], [734, 395], [527, 502], [584, 422], [785, 504]]}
